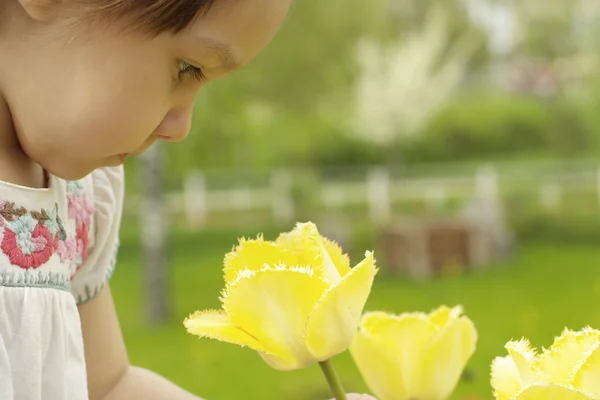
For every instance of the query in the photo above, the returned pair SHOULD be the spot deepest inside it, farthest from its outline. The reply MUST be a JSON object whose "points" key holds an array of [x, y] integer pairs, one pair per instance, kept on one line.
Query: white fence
{"points": [[379, 188]]}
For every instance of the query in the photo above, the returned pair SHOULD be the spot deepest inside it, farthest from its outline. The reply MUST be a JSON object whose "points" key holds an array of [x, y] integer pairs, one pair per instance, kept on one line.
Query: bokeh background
{"points": [[473, 122]]}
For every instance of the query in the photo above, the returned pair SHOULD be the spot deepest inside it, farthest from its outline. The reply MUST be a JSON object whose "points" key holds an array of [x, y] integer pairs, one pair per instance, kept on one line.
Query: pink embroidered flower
{"points": [[2, 225], [66, 250], [80, 209], [26, 243]]}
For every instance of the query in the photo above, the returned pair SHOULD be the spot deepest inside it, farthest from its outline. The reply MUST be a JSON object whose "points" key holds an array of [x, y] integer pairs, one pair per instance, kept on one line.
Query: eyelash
{"points": [[188, 69]]}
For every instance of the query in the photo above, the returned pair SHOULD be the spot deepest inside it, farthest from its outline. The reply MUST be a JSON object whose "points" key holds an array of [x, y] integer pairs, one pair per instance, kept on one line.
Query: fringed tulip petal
{"points": [[273, 306], [552, 392], [307, 244], [568, 370], [335, 318], [525, 359], [339, 259], [295, 300], [254, 254], [505, 378], [587, 377], [566, 353], [216, 325]]}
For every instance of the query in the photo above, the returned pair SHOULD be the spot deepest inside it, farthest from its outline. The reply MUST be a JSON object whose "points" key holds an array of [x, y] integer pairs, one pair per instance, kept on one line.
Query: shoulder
{"points": [[107, 189], [109, 182]]}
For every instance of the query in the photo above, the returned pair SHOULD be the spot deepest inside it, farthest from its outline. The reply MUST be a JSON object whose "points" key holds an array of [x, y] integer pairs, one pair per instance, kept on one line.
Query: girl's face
{"points": [[84, 97]]}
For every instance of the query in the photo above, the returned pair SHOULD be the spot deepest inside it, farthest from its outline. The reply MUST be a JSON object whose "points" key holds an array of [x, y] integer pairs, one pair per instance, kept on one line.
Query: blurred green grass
{"points": [[544, 288]]}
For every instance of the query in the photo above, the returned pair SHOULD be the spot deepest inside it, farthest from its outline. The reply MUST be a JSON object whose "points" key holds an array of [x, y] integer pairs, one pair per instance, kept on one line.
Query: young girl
{"points": [[83, 85]]}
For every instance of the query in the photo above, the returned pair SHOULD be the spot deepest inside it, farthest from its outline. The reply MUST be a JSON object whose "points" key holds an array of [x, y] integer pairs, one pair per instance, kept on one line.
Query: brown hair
{"points": [[151, 16]]}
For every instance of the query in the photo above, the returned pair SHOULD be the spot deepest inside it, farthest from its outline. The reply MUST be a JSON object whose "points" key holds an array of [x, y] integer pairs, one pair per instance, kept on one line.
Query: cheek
{"points": [[101, 112]]}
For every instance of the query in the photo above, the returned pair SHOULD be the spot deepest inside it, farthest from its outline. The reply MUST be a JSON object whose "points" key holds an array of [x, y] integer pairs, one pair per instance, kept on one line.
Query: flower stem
{"points": [[334, 381]]}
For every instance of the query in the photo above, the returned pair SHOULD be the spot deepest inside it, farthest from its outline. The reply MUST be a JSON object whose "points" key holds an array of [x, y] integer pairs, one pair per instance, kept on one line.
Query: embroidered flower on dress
{"points": [[80, 209], [27, 243], [29, 238], [54, 224], [75, 187], [66, 250]]}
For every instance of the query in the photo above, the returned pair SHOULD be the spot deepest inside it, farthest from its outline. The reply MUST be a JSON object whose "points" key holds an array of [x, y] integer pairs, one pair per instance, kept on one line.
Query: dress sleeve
{"points": [[108, 192]]}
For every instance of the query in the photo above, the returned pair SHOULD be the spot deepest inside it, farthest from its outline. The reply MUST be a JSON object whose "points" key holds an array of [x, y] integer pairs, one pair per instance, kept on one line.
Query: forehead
{"points": [[237, 30]]}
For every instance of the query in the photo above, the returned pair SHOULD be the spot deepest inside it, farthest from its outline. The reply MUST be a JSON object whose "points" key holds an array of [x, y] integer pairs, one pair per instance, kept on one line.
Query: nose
{"points": [[175, 126]]}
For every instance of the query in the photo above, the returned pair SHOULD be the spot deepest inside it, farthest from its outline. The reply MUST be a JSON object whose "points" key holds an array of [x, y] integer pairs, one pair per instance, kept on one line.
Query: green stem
{"points": [[334, 381]]}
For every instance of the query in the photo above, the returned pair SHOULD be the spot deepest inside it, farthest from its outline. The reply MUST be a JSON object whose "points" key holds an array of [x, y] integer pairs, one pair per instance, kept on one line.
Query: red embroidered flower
{"points": [[82, 242], [26, 243]]}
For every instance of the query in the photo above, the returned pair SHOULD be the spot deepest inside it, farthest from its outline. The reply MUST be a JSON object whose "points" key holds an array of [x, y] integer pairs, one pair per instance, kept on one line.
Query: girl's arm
{"points": [[110, 376]]}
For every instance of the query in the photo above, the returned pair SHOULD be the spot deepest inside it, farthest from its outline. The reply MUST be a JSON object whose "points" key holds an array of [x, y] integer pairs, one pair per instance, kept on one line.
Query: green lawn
{"points": [[544, 289]]}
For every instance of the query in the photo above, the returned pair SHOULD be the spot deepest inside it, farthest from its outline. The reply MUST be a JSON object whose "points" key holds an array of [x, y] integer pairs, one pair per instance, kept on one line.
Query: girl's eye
{"points": [[194, 72]]}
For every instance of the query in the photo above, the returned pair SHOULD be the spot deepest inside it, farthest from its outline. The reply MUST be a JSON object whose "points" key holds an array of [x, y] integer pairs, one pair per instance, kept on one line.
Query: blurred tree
{"points": [[551, 29], [402, 85], [153, 222]]}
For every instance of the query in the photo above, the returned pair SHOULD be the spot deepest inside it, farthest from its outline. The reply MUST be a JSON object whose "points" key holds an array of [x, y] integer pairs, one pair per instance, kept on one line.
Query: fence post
{"points": [[436, 196], [486, 184], [550, 196], [378, 187], [282, 202], [598, 186], [195, 199]]}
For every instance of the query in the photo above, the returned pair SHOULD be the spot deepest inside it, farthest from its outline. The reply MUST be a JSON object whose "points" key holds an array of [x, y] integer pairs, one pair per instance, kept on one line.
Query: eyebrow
{"points": [[222, 51]]}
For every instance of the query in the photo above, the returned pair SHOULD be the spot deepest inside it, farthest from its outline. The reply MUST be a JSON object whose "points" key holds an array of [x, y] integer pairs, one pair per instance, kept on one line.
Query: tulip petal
{"points": [[551, 392], [335, 318], [254, 254], [378, 367], [307, 244], [339, 259], [442, 315], [587, 378], [216, 325], [402, 338], [273, 306], [446, 356], [525, 360], [304, 242], [505, 379], [566, 353]]}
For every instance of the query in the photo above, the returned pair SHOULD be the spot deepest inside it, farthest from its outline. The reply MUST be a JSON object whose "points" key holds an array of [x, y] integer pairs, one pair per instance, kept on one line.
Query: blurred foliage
{"points": [[492, 125]]}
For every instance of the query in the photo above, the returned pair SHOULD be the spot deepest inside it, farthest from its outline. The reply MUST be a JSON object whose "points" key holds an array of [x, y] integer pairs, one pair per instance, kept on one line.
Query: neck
{"points": [[8, 137], [15, 166]]}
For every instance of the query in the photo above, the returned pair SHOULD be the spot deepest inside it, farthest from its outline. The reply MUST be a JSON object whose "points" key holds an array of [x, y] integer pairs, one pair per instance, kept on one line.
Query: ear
{"points": [[41, 10]]}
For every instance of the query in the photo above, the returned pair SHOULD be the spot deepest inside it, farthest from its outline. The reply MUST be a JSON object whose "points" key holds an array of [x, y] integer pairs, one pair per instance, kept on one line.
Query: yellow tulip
{"points": [[296, 301], [568, 370], [415, 355]]}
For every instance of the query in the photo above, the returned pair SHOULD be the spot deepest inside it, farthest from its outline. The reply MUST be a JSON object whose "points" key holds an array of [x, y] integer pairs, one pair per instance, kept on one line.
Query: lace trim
{"points": [[91, 291], [31, 278]]}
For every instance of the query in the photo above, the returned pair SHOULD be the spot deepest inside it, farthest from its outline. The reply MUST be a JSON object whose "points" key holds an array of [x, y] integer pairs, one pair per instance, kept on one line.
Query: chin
{"points": [[74, 171], [69, 172]]}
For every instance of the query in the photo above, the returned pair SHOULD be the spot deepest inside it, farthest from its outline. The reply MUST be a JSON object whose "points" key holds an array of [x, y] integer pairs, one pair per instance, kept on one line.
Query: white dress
{"points": [[57, 250]]}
